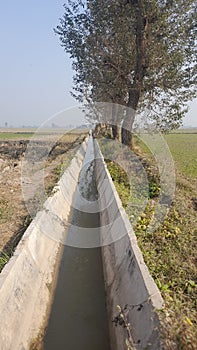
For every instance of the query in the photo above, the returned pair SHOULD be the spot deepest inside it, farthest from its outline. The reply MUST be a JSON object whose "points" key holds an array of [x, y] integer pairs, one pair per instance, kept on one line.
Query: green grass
{"points": [[183, 147], [4, 258], [184, 151], [15, 135]]}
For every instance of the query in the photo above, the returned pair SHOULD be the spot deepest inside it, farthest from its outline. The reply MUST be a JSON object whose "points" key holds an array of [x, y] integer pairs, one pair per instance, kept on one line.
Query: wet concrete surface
{"points": [[78, 318]]}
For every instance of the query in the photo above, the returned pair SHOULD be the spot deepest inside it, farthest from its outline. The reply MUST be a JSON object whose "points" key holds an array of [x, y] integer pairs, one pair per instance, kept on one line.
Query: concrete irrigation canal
{"points": [[77, 261]]}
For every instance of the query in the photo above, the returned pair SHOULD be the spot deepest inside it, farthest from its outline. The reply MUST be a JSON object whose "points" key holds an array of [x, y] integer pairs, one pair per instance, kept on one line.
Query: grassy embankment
{"points": [[170, 251]]}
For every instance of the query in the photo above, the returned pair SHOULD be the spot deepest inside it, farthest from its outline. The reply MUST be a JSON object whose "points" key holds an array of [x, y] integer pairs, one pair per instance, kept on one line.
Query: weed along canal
{"points": [[78, 315]]}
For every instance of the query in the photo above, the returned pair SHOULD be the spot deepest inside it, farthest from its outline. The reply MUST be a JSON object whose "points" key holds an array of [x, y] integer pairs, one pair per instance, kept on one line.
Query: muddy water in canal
{"points": [[78, 317]]}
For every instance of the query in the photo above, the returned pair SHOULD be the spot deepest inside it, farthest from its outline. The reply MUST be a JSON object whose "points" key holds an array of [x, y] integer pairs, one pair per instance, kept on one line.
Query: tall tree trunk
{"points": [[116, 132], [142, 27], [127, 125], [116, 121], [97, 129]]}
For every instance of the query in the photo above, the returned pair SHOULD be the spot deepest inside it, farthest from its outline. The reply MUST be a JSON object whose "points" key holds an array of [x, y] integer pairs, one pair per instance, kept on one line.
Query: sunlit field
{"points": [[183, 147]]}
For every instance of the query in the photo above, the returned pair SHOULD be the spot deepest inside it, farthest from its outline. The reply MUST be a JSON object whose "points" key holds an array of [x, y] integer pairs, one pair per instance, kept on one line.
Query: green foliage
{"points": [[135, 53], [154, 190], [4, 258], [59, 170], [10, 247], [118, 174], [120, 180]]}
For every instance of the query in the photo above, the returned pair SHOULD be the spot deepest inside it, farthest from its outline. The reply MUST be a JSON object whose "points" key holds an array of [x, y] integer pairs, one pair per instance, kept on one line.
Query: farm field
{"points": [[27, 134], [16, 133], [170, 251], [14, 217], [184, 150]]}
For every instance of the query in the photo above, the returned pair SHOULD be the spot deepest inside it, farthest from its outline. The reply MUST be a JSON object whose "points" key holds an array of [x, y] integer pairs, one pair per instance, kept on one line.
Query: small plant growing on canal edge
{"points": [[4, 258], [8, 250]]}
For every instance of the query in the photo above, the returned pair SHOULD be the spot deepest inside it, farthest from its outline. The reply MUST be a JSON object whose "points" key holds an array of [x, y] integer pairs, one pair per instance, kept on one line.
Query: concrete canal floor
{"points": [[78, 318]]}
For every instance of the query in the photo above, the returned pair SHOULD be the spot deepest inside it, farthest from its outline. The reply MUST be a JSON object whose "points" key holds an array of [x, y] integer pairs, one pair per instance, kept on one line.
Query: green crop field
{"points": [[15, 135], [184, 151]]}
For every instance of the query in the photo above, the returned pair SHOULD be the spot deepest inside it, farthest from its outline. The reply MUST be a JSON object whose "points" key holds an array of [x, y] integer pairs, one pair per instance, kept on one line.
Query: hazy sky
{"points": [[35, 74]]}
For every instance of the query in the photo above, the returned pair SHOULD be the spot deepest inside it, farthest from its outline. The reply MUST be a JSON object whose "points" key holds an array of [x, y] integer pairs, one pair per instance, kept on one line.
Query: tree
{"points": [[136, 53]]}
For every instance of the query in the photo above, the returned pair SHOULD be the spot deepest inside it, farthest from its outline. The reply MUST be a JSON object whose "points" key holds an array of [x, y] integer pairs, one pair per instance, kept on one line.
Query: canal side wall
{"points": [[25, 281], [128, 282]]}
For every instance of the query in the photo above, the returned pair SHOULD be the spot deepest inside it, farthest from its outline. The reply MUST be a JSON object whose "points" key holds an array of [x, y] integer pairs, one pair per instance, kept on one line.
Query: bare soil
{"points": [[14, 217]]}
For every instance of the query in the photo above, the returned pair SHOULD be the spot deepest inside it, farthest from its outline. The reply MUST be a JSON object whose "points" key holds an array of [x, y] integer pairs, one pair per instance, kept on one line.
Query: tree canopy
{"points": [[137, 53]]}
